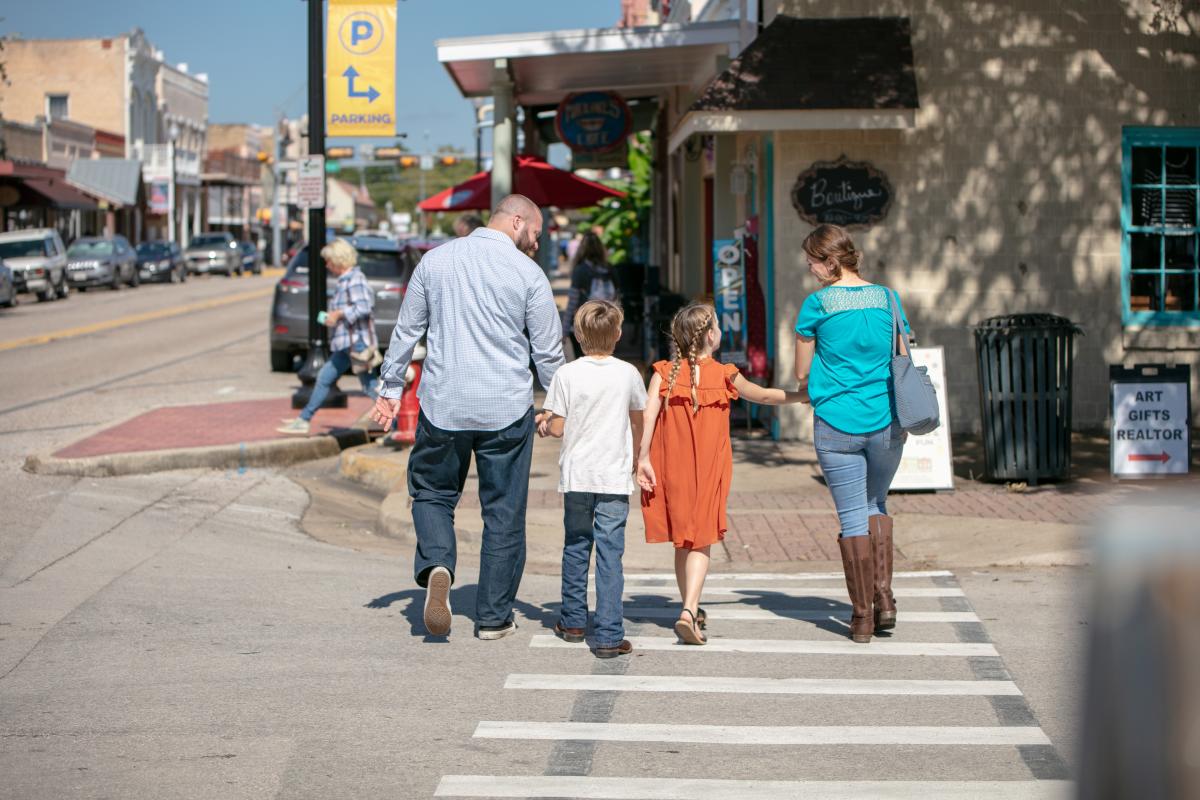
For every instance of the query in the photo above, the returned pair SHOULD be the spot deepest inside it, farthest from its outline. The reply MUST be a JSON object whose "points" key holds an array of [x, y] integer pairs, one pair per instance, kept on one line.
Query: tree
{"points": [[625, 223]]}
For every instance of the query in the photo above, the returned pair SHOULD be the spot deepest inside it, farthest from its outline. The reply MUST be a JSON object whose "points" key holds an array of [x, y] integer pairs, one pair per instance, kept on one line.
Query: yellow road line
{"points": [[133, 319]]}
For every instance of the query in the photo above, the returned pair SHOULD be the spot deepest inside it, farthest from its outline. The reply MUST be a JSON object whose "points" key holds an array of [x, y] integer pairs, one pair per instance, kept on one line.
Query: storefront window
{"points": [[1160, 242]]}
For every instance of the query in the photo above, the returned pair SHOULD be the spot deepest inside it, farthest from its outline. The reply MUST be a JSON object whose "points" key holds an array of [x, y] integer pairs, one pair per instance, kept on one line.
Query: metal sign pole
{"points": [[318, 352]]}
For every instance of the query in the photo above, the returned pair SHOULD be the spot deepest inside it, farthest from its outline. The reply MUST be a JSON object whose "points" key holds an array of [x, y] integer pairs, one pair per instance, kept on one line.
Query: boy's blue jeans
{"points": [[594, 519], [858, 468]]}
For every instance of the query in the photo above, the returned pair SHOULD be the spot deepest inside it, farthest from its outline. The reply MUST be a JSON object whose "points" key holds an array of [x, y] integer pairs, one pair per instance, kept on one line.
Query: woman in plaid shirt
{"points": [[353, 330]]}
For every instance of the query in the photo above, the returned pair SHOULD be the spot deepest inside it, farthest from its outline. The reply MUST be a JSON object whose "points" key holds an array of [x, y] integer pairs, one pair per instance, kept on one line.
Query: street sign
{"points": [[1151, 420], [426, 163], [360, 68], [927, 461], [310, 182]]}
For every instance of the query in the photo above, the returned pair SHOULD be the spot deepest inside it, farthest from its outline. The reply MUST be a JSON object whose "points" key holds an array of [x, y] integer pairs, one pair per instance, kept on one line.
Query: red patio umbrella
{"points": [[540, 182]]}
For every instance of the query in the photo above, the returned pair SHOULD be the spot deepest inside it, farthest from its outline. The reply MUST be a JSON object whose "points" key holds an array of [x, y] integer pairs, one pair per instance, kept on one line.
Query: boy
{"points": [[595, 405]]}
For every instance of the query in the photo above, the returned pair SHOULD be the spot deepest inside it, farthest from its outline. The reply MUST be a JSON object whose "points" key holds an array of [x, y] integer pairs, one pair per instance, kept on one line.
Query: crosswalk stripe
{"points": [[792, 646], [687, 683], [763, 734], [594, 788], [716, 612], [779, 576], [835, 592]]}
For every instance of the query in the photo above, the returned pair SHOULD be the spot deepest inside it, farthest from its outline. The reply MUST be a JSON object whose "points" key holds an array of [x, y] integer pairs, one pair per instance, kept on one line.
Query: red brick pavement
{"points": [[208, 425]]}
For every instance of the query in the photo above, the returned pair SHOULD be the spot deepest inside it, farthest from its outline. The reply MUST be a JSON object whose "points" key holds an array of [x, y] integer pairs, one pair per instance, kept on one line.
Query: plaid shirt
{"points": [[487, 309], [355, 298]]}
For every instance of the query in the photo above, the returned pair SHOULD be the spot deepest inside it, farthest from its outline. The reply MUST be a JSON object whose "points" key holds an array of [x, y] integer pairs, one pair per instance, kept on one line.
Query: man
{"points": [[467, 223], [487, 308]]}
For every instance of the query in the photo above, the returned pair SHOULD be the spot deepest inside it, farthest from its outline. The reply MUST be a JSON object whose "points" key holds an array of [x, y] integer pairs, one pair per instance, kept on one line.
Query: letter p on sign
{"points": [[360, 31]]}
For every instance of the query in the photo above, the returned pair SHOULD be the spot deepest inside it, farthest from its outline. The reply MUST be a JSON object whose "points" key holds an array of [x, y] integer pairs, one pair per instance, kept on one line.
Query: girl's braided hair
{"points": [[688, 329]]}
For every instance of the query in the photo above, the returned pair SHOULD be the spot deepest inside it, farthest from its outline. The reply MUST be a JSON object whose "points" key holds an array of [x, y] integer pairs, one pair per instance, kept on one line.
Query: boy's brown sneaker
{"points": [[622, 649], [572, 635]]}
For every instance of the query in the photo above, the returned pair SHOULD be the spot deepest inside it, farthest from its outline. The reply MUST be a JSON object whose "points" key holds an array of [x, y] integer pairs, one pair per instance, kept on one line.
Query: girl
{"points": [[685, 465], [845, 334]]}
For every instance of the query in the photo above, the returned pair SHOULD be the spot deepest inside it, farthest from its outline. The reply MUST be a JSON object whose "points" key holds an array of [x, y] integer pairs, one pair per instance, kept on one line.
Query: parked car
{"points": [[38, 261], [161, 261], [101, 261], [251, 259], [387, 264], [214, 252], [8, 291]]}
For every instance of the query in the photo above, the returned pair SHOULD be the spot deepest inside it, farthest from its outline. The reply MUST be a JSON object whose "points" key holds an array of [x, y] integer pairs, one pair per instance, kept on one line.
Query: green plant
{"points": [[624, 223]]}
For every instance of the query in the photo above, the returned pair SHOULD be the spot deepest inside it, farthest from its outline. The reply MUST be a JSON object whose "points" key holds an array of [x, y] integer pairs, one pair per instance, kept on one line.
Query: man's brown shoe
{"points": [[572, 635], [622, 649]]}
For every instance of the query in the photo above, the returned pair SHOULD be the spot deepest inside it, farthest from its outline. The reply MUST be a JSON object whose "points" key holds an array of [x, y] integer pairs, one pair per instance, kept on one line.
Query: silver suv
{"points": [[38, 261]]}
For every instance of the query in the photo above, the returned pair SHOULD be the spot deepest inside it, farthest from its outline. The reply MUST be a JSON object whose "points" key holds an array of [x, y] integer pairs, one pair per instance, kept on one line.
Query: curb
{"points": [[271, 453], [375, 468]]}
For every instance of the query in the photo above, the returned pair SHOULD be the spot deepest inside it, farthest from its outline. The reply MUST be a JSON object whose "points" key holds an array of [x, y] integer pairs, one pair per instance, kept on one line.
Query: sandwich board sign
{"points": [[1151, 420], [926, 463]]}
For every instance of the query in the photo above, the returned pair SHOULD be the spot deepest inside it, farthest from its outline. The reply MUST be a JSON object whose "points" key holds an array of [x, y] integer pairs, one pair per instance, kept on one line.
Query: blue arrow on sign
{"points": [[350, 74]]}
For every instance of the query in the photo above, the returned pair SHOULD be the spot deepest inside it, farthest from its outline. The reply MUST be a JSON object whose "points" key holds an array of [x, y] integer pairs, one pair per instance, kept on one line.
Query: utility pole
{"points": [[318, 344]]}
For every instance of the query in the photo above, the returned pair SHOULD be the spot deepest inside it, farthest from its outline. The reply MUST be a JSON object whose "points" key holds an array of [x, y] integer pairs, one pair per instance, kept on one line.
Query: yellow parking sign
{"points": [[360, 68]]}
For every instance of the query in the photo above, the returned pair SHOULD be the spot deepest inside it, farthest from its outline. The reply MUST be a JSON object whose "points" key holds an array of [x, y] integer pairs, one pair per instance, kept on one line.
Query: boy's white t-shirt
{"points": [[595, 395]]}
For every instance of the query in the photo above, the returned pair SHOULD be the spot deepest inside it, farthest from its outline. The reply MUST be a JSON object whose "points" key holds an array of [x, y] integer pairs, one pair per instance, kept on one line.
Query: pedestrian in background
{"points": [[350, 316], [845, 335], [595, 405], [487, 308], [685, 465], [467, 223], [591, 279]]}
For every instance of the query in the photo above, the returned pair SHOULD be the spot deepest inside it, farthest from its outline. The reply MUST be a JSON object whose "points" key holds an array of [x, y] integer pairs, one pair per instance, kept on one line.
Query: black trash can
{"points": [[1025, 369]]}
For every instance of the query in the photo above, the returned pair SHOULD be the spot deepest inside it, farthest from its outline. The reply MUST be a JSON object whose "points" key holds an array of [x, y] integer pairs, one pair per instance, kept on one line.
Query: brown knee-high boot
{"points": [[859, 567], [880, 527]]}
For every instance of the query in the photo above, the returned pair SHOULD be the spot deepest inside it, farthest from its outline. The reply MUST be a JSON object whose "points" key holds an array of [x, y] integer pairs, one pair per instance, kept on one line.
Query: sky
{"points": [[254, 50]]}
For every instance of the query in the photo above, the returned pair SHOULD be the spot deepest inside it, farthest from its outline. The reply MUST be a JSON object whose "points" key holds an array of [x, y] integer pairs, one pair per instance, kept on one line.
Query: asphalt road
{"points": [[246, 634]]}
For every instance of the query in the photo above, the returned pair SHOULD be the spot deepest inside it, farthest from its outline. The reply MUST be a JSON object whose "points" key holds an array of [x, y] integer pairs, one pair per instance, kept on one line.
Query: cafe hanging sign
{"points": [[593, 122], [842, 192]]}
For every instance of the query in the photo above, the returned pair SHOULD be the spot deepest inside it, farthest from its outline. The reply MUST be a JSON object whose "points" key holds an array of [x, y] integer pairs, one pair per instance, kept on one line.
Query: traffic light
{"points": [[339, 152], [449, 161], [387, 153], [409, 161]]}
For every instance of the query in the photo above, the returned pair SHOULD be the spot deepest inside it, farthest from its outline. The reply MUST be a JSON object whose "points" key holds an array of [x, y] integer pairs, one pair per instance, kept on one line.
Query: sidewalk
{"points": [[781, 516], [221, 435]]}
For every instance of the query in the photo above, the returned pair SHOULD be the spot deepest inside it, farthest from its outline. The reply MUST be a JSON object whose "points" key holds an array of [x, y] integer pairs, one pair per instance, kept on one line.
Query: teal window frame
{"points": [[1163, 138]]}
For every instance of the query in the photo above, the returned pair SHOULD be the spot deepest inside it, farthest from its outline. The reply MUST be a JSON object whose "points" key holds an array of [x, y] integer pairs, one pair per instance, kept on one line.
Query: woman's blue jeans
{"points": [[331, 370], [594, 520], [858, 468]]}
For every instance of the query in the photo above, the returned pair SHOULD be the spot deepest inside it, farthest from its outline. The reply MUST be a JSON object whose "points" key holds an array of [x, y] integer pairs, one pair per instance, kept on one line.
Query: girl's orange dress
{"points": [[692, 458]]}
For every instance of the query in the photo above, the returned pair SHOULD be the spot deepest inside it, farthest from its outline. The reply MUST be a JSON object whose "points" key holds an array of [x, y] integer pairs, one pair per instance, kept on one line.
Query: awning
{"points": [[632, 61], [59, 195], [542, 183], [812, 74], [116, 180]]}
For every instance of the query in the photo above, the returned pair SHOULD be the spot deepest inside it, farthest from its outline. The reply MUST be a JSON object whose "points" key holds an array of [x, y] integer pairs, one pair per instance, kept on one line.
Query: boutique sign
{"points": [[593, 122], [842, 192]]}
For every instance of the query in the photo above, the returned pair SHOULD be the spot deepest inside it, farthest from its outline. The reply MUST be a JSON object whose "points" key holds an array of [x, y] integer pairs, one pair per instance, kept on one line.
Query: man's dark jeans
{"points": [[437, 472]]}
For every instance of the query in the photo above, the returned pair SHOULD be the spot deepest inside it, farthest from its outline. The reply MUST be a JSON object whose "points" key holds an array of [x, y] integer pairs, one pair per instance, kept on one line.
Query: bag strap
{"points": [[897, 327]]}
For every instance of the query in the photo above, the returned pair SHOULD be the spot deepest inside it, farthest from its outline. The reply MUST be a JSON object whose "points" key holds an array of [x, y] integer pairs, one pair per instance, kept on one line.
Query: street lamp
{"points": [[172, 137]]}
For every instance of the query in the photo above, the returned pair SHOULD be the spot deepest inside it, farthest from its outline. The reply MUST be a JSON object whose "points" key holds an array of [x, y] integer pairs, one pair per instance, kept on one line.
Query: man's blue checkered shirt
{"points": [[473, 299]]}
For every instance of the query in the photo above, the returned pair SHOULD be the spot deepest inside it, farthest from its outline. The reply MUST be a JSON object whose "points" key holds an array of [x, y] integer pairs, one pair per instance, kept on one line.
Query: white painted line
{"points": [[778, 576], [717, 685], [958, 736], [593, 788], [834, 647], [837, 592], [717, 612]]}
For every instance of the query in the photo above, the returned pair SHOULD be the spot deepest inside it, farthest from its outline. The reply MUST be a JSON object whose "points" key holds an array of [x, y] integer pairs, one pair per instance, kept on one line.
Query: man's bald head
{"points": [[518, 218]]}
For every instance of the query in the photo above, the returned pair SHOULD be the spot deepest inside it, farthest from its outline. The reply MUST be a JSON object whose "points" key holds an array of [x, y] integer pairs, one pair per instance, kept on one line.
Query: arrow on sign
{"points": [[1160, 457], [350, 74]]}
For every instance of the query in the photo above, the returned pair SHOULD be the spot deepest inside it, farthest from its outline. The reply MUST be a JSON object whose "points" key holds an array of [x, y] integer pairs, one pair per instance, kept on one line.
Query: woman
{"points": [[591, 279], [353, 327], [844, 338]]}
